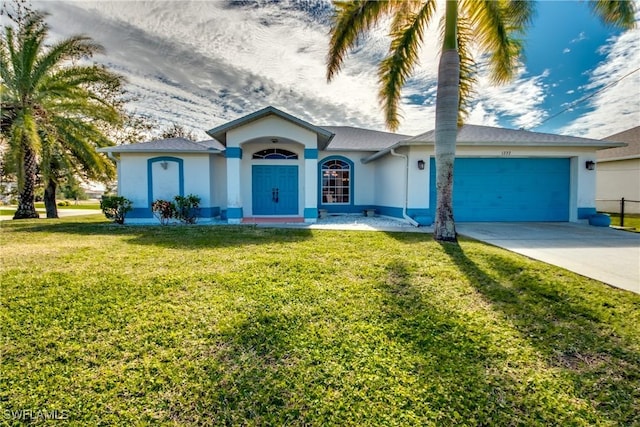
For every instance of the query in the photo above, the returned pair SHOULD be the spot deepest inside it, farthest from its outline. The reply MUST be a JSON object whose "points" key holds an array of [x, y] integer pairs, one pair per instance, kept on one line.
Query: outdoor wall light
{"points": [[590, 165], [421, 165], [164, 165]]}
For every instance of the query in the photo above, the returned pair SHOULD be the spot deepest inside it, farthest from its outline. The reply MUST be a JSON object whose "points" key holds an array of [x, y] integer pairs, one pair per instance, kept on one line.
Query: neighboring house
{"points": [[618, 173], [271, 164]]}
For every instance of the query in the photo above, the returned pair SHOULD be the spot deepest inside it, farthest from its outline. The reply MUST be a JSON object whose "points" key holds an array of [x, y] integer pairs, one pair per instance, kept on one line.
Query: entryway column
{"points": [[310, 185], [234, 197]]}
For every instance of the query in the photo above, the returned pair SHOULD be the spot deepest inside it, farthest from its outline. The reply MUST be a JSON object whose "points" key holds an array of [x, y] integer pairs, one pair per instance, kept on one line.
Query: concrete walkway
{"points": [[605, 254]]}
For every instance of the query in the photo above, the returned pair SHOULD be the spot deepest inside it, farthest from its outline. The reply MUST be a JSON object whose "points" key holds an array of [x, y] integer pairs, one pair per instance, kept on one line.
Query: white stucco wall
{"points": [[390, 181], [132, 179], [419, 179], [583, 184], [218, 181], [134, 184], [256, 136], [615, 180], [271, 127]]}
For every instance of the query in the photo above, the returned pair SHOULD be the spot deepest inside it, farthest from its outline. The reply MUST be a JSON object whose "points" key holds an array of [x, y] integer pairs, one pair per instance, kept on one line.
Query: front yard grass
{"points": [[197, 325], [630, 220]]}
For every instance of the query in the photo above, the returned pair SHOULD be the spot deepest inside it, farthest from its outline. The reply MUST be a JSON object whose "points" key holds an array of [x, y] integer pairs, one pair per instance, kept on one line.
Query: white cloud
{"points": [[566, 50], [201, 64], [617, 106], [581, 36], [479, 115], [520, 101]]}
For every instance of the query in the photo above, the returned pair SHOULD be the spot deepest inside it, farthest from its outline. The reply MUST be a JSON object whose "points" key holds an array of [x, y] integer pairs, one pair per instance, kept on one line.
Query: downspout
{"points": [[406, 188]]}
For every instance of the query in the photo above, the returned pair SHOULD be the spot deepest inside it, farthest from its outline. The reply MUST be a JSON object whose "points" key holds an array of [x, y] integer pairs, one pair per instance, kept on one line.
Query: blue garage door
{"points": [[508, 189]]}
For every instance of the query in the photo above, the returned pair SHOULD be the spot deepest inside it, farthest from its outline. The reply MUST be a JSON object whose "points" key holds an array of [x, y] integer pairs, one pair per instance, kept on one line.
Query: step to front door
{"points": [[271, 220]]}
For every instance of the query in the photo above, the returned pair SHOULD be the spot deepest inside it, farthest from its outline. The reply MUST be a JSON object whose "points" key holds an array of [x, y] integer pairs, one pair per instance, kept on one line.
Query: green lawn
{"points": [[630, 220], [197, 325]]}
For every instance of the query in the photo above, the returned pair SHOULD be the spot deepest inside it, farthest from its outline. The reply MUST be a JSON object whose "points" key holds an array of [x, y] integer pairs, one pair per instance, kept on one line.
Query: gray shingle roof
{"points": [[632, 151], [171, 145], [486, 135], [348, 138]]}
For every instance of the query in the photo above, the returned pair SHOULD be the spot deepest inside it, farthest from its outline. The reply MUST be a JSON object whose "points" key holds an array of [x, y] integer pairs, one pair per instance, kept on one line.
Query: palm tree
{"points": [[493, 26], [51, 103]]}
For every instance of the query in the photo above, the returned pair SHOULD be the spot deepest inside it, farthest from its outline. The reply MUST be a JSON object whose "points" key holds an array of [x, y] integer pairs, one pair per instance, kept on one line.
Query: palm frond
{"points": [[80, 140], [352, 19], [615, 12], [497, 26], [467, 68], [25, 49], [74, 47], [396, 68]]}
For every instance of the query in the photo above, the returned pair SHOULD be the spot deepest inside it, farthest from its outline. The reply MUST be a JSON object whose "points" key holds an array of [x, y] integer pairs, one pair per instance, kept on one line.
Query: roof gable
{"points": [[220, 133]]}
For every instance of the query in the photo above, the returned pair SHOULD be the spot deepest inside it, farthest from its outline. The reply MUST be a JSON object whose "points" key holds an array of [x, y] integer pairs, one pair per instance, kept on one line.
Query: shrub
{"points": [[115, 208], [164, 210], [64, 203], [187, 208]]}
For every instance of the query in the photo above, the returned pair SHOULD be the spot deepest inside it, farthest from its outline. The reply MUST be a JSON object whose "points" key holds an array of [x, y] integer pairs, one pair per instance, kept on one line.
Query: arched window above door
{"points": [[275, 153]]}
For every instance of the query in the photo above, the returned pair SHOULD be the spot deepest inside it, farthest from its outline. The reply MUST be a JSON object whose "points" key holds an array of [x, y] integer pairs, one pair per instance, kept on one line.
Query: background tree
{"points": [[494, 27], [176, 131], [52, 105]]}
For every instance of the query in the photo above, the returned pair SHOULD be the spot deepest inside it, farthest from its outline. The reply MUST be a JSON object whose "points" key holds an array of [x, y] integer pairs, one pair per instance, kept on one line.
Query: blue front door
{"points": [[275, 190]]}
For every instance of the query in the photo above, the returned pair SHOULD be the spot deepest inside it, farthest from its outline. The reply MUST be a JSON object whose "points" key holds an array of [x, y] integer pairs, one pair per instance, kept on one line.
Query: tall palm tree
{"points": [[50, 100], [492, 26]]}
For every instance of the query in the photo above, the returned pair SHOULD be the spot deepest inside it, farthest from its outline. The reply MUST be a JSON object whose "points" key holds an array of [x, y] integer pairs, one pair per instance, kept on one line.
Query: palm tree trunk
{"points": [[50, 199], [447, 127], [26, 205]]}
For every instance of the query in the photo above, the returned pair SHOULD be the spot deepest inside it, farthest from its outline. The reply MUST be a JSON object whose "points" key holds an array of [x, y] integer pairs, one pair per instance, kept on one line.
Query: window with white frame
{"points": [[336, 180]]}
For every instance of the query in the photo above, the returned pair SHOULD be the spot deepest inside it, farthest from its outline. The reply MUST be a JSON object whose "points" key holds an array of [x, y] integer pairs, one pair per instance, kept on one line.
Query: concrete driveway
{"points": [[605, 254]]}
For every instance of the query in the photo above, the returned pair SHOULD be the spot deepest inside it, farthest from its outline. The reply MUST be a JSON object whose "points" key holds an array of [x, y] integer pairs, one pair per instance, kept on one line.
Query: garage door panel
{"points": [[501, 189]]}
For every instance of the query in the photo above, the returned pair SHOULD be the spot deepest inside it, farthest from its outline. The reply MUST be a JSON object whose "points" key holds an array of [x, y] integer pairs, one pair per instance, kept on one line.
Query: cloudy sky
{"points": [[203, 63]]}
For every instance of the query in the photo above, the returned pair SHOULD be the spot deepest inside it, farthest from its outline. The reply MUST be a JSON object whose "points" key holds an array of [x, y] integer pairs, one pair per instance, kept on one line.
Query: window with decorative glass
{"points": [[336, 179], [275, 153]]}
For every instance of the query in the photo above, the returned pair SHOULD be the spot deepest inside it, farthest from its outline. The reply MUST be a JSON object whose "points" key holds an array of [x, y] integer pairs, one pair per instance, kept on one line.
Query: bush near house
{"points": [[115, 208], [164, 210], [185, 209]]}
